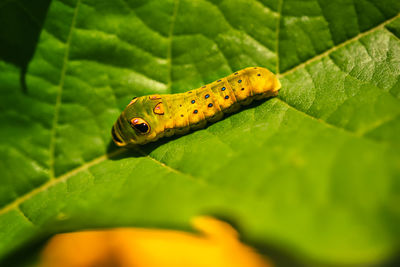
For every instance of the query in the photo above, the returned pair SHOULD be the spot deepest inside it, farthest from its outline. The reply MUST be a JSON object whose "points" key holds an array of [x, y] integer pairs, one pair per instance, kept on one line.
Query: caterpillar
{"points": [[148, 118]]}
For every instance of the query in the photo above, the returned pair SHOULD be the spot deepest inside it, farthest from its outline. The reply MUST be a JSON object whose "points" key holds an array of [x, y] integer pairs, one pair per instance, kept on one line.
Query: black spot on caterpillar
{"points": [[148, 118]]}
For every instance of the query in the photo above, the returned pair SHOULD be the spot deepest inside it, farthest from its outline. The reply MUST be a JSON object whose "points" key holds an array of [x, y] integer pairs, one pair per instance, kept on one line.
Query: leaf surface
{"points": [[315, 170]]}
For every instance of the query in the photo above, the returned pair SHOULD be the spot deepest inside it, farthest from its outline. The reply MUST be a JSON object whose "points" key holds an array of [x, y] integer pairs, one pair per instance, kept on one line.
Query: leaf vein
{"points": [[278, 26], [25, 216], [169, 49], [59, 95], [240, 30], [188, 175], [336, 47], [329, 125], [15, 204]]}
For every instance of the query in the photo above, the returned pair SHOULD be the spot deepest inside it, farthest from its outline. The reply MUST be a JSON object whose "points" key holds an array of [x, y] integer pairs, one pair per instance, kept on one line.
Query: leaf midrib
{"points": [[65, 176]]}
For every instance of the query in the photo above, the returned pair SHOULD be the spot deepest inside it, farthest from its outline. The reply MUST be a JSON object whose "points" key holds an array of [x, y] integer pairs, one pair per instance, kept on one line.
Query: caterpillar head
{"points": [[134, 125]]}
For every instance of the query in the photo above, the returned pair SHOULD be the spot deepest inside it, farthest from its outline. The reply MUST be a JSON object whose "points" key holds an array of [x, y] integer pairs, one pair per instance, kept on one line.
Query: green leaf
{"points": [[313, 173]]}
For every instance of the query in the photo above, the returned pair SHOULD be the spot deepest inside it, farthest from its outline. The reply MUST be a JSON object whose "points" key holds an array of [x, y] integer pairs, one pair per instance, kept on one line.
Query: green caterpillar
{"points": [[148, 118]]}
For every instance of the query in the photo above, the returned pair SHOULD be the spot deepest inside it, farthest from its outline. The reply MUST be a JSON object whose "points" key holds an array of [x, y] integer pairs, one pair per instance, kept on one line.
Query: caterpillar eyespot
{"points": [[140, 125], [159, 109], [148, 118]]}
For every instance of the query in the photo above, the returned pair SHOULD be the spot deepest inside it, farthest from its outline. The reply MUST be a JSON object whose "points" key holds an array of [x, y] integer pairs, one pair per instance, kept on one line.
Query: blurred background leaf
{"points": [[313, 174]]}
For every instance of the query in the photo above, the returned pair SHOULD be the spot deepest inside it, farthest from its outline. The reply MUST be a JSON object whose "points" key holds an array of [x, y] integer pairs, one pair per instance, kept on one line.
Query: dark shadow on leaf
{"points": [[395, 262], [116, 153], [21, 22], [280, 257], [284, 256], [31, 252]]}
